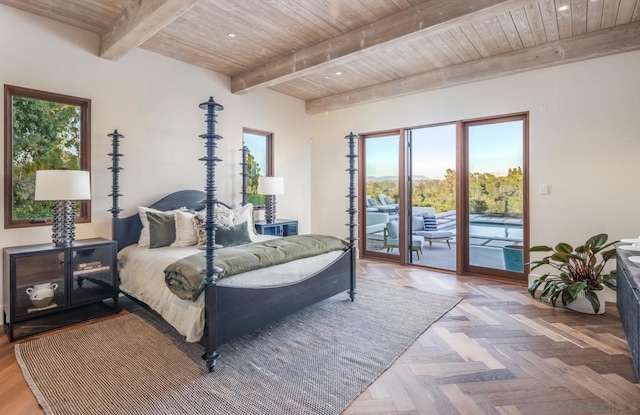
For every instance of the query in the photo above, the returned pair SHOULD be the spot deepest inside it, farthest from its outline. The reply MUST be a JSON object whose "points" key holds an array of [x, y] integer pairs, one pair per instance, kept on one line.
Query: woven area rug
{"points": [[315, 361]]}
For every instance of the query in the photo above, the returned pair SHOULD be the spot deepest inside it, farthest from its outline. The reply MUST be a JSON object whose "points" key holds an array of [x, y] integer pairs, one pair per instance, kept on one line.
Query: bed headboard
{"points": [[126, 231]]}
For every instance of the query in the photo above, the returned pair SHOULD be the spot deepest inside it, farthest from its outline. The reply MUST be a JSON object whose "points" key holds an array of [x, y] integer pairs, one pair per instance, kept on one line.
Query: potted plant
{"points": [[579, 273]]}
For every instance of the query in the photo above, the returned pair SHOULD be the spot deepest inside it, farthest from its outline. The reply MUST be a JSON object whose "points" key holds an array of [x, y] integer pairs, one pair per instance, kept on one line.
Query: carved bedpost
{"points": [[115, 173], [353, 210], [211, 353], [245, 173]]}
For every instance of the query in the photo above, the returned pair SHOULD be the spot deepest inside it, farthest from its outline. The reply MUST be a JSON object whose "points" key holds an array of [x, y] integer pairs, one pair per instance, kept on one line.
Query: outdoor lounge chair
{"points": [[386, 201], [391, 239], [425, 226], [372, 205]]}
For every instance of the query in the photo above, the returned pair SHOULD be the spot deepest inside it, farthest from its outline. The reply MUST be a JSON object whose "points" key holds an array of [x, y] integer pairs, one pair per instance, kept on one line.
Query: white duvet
{"points": [[142, 276]]}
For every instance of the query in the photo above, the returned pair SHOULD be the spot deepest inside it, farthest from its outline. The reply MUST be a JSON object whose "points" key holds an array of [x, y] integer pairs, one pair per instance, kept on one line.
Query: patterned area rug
{"points": [[315, 361]]}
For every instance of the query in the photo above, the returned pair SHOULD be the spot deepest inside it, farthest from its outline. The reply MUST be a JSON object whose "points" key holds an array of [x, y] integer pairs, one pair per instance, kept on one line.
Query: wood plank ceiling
{"points": [[337, 53]]}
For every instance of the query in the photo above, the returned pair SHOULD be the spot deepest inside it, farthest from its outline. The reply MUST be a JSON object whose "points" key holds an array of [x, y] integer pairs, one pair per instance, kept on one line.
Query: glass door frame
{"points": [[409, 189], [465, 268], [402, 257]]}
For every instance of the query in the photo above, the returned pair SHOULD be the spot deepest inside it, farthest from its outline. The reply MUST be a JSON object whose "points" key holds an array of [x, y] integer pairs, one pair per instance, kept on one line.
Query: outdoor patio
{"points": [[489, 234]]}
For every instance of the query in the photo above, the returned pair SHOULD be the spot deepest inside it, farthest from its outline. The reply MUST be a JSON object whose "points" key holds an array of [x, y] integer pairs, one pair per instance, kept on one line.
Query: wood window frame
{"points": [[85, 150]]}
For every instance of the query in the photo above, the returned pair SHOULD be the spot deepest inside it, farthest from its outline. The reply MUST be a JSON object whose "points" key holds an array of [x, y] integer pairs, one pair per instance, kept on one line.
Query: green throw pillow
{"points": [[233, 235], [162, 229]]}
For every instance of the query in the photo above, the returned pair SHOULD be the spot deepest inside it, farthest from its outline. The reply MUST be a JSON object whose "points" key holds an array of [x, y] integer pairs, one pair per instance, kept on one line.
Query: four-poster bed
{"points": [[230, 307]]}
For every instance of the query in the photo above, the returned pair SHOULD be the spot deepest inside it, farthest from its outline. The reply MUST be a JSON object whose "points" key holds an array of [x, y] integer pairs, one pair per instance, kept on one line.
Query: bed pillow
{"points": [[201, 234], [185, 229], [162, 229], [245, 214], [228, 218], [144, 234], [224, 216], [233, 236]]}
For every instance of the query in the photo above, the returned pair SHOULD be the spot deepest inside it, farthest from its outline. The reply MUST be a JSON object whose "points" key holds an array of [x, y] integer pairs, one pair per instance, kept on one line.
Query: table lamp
{"points": [[270, 187], [63, 187]]}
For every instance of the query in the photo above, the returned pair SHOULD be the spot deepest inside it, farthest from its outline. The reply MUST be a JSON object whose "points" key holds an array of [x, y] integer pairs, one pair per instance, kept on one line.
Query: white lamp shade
{"points": [[270, 185], [63, 185]]}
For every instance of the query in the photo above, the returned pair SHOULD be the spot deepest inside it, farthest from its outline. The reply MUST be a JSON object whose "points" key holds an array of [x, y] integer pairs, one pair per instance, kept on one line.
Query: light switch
{"points": [[544, 189]]}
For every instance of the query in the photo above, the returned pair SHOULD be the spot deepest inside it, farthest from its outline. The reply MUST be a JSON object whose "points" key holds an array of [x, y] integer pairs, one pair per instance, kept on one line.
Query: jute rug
{"points": [[315, 361]]}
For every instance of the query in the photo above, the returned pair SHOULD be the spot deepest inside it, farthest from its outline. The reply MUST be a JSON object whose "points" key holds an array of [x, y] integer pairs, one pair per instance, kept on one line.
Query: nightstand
{"points": [[82, 278], [280, 227]]}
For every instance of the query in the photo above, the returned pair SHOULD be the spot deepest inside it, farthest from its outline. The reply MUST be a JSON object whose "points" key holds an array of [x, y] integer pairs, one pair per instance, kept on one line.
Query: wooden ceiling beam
{"points": [[619, 39], [140, 20], [425, 18]]}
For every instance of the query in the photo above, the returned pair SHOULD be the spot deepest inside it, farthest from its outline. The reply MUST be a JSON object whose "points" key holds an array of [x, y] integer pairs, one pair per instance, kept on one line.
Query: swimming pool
{"points": [[492, 230]]}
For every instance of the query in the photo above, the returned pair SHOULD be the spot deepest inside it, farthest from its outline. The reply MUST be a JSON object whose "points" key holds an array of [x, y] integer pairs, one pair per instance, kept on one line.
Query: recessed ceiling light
{"points": [[338, 73], [326, 77], [231, 34], [563, 8]]}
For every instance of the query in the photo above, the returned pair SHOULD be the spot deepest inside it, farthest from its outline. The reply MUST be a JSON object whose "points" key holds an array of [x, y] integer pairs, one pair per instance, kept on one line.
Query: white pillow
{"points": [[224, 216], [145, 237], [228, 218], [185, 229], [245, 214]]}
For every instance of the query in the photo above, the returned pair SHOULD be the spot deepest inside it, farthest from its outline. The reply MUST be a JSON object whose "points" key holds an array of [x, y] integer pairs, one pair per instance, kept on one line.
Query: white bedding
{"points": [[142, 276]]}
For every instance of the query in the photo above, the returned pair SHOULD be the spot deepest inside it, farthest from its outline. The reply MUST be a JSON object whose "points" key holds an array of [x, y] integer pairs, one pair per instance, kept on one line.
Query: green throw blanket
{"points": [[185, 277]]}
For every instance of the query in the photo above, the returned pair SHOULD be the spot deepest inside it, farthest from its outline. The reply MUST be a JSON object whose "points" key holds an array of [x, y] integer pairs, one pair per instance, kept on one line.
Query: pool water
{"points": [[493, 231]]}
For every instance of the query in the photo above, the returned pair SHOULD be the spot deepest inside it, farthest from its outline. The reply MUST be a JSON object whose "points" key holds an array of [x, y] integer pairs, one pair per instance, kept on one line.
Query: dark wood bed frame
{"points": [[229, 311]]}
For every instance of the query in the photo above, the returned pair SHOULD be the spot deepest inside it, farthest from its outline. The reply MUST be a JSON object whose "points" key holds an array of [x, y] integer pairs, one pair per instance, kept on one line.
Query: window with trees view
{"points": [[259, 160], [43, 131]]}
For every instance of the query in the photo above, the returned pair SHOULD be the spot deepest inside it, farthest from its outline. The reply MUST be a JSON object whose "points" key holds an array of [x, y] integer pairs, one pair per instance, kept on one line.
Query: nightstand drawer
{"points": [[280, 227]]}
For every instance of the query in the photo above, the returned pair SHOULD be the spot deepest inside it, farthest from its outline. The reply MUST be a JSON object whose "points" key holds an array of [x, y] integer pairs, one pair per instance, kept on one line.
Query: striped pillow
{"points": [[430, 223]]}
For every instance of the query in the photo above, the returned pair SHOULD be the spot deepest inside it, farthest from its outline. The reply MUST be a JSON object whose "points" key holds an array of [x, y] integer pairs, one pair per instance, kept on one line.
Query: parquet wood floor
{"points": [[502, 352], [498, 352]]}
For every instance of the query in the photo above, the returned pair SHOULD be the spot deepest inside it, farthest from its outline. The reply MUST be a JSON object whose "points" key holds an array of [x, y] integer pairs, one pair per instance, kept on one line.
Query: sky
{"points": [[493, 148], [258, 148]]}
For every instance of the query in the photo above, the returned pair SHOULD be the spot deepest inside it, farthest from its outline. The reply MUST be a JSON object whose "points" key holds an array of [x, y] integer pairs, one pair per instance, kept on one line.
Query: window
{"points": [[259, 160], [43, 131]]}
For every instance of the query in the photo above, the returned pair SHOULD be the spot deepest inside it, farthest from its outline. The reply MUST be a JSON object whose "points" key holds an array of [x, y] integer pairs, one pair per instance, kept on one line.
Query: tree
{"points": [[46, 136], [253, 169], [487, 193]]}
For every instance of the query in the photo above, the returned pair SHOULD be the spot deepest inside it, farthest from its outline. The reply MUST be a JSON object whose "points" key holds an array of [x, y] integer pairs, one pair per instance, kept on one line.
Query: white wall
{"points": [[584, 143], [153, 101]]}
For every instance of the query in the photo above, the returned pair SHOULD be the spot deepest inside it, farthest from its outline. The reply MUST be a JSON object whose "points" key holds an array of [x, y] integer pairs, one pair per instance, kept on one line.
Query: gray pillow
{"points": [[233, 235], [393, 229], [162, 229]]}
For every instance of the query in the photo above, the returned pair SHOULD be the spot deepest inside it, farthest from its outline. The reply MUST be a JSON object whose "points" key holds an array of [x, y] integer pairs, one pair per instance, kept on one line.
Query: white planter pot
{"points": [[582, 305]]}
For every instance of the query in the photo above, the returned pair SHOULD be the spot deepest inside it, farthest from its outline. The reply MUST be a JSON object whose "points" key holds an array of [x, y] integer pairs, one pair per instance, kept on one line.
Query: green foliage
{"points": [[577, 270], [500, 195], [252, 181], [46, 136]]}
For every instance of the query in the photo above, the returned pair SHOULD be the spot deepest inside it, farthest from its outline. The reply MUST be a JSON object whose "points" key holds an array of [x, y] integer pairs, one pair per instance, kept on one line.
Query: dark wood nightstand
{"points": [[280, 227], [82, 276]]}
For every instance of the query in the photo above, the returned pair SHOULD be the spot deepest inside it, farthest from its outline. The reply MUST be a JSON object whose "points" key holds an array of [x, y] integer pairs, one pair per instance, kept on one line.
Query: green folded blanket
{"points": [[185, 277]]}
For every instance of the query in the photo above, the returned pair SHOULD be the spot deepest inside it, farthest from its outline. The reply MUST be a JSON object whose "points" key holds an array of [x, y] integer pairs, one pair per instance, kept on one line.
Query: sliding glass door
{"points": [[450, 196], [432, 195], [380, 180], [495, 196]]}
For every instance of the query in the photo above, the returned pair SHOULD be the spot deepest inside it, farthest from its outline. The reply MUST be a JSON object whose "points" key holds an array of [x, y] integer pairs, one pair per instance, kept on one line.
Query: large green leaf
{"points": [[593, 299], [597, 242], [560, 257], [532, 289], [575, 288], [540, 248], [564, 247], [607, 255]]}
